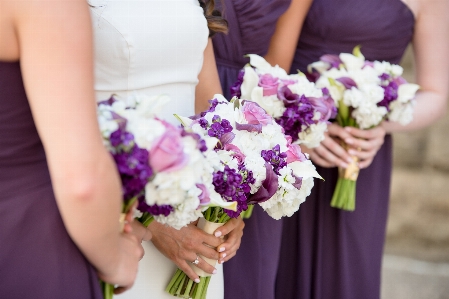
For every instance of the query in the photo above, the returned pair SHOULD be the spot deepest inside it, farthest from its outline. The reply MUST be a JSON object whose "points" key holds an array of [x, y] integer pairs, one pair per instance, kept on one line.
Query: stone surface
{"points": [[404, 278], [437, 154]]}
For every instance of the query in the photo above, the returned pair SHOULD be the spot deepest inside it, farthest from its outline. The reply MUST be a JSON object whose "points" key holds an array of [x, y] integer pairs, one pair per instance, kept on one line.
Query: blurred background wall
{"points": [[418, 224], [416, 263]]}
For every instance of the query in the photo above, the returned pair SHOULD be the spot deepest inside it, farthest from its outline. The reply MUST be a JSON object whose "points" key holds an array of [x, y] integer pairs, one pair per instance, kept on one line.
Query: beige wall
{"points": [[419, 210]]}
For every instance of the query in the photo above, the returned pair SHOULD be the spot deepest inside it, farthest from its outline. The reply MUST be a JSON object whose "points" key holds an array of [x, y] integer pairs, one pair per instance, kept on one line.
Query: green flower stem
{"points": [[247, 214], [344, 195], [146, 219], [108, 290], [175, 277]]}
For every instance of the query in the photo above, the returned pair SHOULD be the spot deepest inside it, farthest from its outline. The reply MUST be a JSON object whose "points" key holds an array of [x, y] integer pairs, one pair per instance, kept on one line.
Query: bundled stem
{"points": [[181, 285]]}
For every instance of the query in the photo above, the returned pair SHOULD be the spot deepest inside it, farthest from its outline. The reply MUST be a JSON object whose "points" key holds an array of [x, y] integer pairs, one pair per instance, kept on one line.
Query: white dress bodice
{"points": [[151, 47]]}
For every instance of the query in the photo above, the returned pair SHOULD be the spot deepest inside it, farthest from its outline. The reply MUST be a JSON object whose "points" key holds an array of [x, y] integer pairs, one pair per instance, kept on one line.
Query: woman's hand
{"points": [[124, 271], [185, 245], [232, 232], [364, 144], [330, 153]]}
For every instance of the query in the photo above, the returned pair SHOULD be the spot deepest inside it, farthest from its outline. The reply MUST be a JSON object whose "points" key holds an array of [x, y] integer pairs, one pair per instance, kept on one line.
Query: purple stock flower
{"points": [[212, 104], [154, 210], [134, 170], [121, 137], [235, 88], [295, 116], [384, 77], [219, 127], [233, 185], [275, 158], [390, 94], [203, 123]]}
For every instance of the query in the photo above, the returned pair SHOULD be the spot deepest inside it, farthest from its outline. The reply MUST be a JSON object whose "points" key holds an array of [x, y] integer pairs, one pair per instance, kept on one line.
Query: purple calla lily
{"points": [[347, 82]]}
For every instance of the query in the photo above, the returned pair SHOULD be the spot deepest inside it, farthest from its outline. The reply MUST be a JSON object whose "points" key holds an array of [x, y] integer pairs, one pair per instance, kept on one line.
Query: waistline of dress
{"points": [[231, 64]]}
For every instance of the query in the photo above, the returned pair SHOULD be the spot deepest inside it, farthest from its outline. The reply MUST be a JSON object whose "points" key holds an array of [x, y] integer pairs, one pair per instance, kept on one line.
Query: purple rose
{"points": [[204, 196], [237, 153], [255, 114], [269, 84], [294, 152], [167, 153], [325, 106]]}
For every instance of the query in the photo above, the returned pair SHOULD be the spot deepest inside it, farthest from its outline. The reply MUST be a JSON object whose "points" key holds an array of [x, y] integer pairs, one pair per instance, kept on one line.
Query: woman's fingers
{"points": [[233, 232], [229, 226]]}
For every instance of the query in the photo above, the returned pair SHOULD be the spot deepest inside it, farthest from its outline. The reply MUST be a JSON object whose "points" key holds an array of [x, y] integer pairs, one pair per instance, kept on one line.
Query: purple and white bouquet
{"points": [[255, 163], [161, 166], [300, 107], [366, 93]]}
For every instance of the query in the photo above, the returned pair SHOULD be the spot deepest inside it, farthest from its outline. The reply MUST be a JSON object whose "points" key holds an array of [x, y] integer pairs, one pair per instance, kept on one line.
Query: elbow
{"points": [[78, 188]]}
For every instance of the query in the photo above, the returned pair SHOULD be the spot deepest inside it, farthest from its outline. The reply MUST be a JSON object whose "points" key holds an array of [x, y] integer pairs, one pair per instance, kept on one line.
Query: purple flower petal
{"points": [[333, 60], [226, 138], [250, 128], [347, 82], [298, 183], [268, 188]]}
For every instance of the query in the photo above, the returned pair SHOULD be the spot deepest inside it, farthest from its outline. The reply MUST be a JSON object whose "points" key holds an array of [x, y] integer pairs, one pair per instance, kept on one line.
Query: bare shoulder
{"points": [[435, 8]]}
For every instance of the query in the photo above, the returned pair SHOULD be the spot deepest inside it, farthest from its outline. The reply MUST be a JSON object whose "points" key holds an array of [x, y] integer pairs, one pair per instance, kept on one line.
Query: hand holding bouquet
{"points": [[366, 93], [162, 167], [254, 163]]}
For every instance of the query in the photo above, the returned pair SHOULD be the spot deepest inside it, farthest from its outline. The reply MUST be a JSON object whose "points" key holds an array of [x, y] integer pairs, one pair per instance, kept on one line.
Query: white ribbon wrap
{"points": [[208, 227]]}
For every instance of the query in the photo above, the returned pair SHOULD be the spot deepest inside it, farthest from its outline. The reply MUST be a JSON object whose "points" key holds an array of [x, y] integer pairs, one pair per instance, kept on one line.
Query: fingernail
{"points": [[220, 262], [218, 234], [223, 256], [215, 271], [348, 129], [197, 280], [221, 249], [349, 141]]}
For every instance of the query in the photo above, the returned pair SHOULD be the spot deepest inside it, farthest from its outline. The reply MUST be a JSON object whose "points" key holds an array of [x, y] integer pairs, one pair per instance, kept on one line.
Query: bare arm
{"points": [[209, 82], [285, 38], [431, 46], [55, 45]]}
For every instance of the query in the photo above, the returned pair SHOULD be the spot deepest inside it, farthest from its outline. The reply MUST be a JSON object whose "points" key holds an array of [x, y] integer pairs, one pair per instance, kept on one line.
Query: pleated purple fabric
{"points": [[252, 272], [326, 252], [37, 257]]}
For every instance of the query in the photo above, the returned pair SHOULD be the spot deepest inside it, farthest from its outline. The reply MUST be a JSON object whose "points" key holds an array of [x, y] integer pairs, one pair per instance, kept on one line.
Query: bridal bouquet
{"points": [[256, 164], [161, 166], [366, 93], [297, 104]]}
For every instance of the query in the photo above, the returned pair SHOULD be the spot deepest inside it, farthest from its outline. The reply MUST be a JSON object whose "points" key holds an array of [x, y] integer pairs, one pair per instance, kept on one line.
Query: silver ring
{"points": [[196, 261]]}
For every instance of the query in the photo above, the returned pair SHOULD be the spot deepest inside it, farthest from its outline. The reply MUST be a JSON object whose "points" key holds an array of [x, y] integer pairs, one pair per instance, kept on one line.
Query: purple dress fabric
{"points": [[37, 257], [326, 252], [252, 272]]}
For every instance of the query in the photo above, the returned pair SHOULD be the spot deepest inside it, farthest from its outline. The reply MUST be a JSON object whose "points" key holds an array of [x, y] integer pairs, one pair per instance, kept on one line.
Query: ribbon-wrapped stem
{"points": [[181, 285], [345, 190]]}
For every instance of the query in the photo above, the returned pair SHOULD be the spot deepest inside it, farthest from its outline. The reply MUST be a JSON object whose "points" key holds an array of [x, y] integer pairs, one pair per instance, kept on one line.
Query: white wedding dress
{"points": [[151, 47]]}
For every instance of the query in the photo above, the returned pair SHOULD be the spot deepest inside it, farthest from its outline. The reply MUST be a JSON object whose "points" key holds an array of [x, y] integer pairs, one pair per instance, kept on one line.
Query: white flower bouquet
{"points": [[366, 93], [255, 163]]}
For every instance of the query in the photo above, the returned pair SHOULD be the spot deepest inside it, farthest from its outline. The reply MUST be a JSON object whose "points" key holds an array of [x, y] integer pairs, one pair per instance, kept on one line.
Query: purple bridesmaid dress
{"points": [[328, 253], [37, 257], [252, 272]]}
